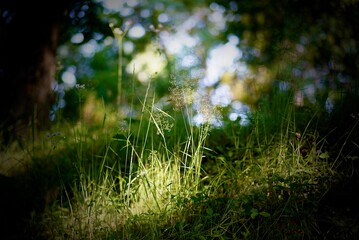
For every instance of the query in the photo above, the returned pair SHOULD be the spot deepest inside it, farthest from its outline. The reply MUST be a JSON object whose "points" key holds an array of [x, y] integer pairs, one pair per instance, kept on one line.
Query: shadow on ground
{"points": [[22, 201]]}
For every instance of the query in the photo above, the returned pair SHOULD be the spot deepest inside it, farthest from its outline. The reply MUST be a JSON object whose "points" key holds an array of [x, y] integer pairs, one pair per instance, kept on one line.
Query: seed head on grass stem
{"points": [[181, 95], [184, 95]]}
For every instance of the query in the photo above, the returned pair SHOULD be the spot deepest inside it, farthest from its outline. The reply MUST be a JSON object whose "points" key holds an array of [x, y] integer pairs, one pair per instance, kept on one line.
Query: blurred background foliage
{"points": [[235, 52]]}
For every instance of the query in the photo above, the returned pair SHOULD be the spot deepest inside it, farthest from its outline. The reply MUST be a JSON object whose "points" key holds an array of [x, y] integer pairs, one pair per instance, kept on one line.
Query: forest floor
{"points": [[21, 200]]}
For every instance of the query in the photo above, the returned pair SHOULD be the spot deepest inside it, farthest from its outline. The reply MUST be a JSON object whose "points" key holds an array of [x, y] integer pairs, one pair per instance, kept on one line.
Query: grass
{"points": [[162, 178], [157, 176]]}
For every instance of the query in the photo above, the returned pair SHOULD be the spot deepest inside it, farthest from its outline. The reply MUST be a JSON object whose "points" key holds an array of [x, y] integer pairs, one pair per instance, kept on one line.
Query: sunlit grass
{"points": [[164, 178], [126, 175], [155, 175], [138, 184]]}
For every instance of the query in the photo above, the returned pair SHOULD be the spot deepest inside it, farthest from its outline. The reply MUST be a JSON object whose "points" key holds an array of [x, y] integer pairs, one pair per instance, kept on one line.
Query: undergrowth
{"points": [[158, 176], [151, 181]]}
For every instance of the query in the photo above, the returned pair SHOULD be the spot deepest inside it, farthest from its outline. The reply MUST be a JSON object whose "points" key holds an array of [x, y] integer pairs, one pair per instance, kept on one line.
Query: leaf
{"points": [[353, 158], [264, 214], [254, 213], [324, 155], [209, 211]]}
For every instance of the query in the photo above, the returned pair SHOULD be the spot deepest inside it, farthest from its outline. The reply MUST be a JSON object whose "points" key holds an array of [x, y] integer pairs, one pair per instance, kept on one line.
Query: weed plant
{"points": [[161, 177], [158, 176], [156, 180]]}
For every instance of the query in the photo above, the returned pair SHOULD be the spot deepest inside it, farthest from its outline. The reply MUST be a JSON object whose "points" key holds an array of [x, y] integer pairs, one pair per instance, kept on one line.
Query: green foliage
{"points": [[152, 181], [84, 17], [145, 171]]}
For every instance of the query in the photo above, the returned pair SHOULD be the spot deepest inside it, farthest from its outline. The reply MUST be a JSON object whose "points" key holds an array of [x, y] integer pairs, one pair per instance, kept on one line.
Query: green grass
{"points": [[162, 178]]}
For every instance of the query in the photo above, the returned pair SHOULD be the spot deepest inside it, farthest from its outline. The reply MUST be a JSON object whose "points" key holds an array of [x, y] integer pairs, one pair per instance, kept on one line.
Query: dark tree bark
{"points": [[29, 32]]}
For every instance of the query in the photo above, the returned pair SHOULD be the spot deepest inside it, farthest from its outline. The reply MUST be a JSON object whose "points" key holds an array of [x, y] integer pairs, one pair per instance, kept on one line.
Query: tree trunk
{"points": [[28, 41]]}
